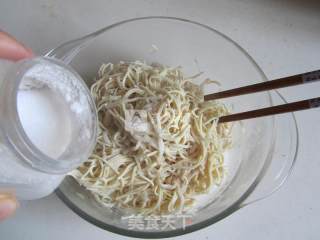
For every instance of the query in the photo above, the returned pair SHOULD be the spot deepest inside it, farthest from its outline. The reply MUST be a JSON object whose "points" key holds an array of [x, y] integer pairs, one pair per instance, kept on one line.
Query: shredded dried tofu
{"points": [[159, 143]]}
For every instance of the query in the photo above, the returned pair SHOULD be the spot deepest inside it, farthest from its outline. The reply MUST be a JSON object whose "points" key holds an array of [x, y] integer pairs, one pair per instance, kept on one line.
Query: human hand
{"points": [[8, 205], [10, 49]]}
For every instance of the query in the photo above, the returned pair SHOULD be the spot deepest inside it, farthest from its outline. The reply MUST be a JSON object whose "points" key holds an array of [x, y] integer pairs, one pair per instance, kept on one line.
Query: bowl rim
{"points": [[228, 211]]}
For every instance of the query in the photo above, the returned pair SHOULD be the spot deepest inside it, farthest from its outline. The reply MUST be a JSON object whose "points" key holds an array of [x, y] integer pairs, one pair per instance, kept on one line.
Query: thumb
{"points": [[8, 205], [11, 49]]}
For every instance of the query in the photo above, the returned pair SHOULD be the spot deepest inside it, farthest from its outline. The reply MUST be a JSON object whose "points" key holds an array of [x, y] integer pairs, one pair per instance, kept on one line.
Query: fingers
{"points": [[8, 205], [11, 49]]}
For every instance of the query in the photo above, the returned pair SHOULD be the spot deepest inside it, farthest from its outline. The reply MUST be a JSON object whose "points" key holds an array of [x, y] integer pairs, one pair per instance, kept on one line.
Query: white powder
{"points": [[45, 119], [64, 83], [52, 111], [49, 101]]}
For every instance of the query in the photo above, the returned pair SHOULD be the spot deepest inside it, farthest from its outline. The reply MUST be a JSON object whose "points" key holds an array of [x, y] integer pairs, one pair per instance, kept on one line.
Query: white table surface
{"points": [[284, 38]]}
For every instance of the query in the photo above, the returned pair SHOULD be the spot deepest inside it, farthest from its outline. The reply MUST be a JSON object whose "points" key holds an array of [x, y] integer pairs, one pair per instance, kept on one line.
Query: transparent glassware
{"points": [[26, 170], [264, 149]]}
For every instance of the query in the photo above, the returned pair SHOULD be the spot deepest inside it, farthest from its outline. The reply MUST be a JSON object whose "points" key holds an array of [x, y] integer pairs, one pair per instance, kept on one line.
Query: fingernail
{"points": [[7, 207], [29, 51]]}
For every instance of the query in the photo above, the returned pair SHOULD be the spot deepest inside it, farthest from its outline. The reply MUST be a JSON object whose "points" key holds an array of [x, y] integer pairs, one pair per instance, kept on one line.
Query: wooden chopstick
{"points": [[269, 85], [265, 86], [284, 108]]}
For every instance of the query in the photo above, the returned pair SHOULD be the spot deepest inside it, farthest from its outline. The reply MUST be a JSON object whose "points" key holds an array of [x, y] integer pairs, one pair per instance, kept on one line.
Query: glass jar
{"points": [[25, 167]]}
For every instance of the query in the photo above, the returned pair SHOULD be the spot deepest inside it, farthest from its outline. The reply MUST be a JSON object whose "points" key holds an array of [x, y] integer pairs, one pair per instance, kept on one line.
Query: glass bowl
{"points": [[264, 149]]}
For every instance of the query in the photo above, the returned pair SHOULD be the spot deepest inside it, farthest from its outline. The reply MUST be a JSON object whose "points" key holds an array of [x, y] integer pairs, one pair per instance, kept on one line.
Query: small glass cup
{"points": [[26, 170]]}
